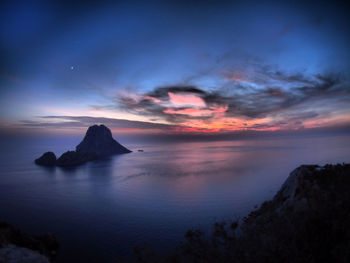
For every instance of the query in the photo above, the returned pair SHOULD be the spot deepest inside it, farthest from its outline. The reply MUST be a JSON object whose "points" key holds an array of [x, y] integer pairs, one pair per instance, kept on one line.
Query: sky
{"points": [[174, 67]]}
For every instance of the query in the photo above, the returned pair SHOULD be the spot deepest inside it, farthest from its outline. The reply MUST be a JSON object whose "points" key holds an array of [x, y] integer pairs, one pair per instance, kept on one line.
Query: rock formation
{"points": [[73, 158], [304, 189], [97, 143], [17, 246], [47, 159], [13, 254], [308, 220]]}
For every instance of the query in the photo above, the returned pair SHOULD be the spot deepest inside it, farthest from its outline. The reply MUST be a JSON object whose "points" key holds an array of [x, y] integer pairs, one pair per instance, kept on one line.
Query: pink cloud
{"points": [[180, 100]]}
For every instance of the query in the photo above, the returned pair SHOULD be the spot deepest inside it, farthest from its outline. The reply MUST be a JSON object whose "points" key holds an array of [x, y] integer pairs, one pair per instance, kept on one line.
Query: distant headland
{"points": [[97, 143]]}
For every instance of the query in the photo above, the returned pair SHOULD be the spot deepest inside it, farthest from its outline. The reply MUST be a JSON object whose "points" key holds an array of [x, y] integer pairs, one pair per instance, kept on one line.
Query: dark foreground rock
{"points": [[13, 254], [47, 159], [97, 143], [17, 246], [308, 220]]}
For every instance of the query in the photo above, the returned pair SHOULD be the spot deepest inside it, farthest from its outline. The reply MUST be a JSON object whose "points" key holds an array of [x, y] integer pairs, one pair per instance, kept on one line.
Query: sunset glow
{"points": [[276, 69]]}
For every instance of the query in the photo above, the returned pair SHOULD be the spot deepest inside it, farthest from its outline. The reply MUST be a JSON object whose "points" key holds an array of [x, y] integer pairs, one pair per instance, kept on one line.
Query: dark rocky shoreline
{"points": [[308, 220], [17, 246]]}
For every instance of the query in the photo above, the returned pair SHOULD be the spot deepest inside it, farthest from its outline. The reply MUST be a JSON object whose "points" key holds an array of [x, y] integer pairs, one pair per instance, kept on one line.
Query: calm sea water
{"points": [[104, 208]]}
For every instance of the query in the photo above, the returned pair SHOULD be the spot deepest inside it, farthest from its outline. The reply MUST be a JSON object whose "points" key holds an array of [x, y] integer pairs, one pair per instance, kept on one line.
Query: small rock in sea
{"points": [[140, 151], [47, 159]]}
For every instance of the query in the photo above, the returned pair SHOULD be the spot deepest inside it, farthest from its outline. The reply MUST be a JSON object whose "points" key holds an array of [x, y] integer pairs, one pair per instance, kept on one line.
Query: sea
{"points": [[101, 210]]}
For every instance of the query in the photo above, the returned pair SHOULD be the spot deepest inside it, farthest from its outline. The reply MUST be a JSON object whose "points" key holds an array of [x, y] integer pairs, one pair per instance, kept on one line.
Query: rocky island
{"points": [[97, 143]]}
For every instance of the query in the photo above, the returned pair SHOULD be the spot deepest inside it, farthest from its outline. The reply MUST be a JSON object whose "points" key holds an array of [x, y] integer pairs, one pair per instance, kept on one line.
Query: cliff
{"points": [[308, 220]]}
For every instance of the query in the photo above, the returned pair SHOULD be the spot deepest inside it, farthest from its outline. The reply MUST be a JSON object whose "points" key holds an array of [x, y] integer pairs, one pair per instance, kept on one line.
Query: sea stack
{"points": [[98, 140], [47, 159], [97, 143]]}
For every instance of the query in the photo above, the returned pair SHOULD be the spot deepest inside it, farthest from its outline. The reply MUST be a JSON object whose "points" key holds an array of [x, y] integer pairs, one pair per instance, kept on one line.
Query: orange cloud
{"points": [[225, 124]]}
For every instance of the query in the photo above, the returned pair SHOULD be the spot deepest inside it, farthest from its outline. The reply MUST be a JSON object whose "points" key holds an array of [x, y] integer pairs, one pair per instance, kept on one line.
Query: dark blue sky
{"points": [[185, 65]]}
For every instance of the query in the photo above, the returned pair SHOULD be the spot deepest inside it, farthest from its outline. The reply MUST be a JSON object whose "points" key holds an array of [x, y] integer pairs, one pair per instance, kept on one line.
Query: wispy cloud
{"points": [[86, 121], [272, 98]]}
